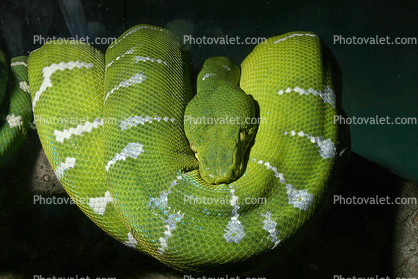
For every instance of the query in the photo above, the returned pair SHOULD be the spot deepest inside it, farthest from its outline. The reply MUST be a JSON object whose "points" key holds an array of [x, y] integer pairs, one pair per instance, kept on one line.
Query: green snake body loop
{"points": [[121, 152], [15, 108], [74, 103]]}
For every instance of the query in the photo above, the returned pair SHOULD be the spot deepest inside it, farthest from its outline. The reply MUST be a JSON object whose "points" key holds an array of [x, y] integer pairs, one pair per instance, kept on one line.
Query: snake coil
{"points": [[112, 127]]}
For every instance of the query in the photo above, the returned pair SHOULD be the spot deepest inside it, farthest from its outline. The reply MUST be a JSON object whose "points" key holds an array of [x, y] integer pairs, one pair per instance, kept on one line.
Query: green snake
{"points": [[15, 106], [205, 183]]}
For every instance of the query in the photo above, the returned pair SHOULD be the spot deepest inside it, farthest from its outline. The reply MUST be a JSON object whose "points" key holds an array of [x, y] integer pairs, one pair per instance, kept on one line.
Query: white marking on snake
{"points": [[24, 86], [129, 51], [327, 148], [99, 204], [18, 64], [131, 150], [208, 75], [170, 218], [270, 226], [132, 121], [62, 167], [49, 70], [66, 134], [293, 35], [14, 121], [144, 59], [226, 67], [270, 167], [136, 29], [299, 198], [327, 95], [131, 241], [136, 78], [234, 228]]}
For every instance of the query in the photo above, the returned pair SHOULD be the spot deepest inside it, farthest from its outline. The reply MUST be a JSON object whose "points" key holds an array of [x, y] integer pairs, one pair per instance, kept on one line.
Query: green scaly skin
{"points": [[219, 133], [124, 157], [15, 107]]}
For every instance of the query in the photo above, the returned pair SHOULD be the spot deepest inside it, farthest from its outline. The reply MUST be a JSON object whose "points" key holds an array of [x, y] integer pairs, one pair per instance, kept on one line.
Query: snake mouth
{"points": [[226, 179], [229, 163], [220, 176]]}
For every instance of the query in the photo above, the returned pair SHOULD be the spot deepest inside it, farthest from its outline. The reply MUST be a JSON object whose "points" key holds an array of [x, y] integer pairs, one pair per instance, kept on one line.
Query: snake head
{"points": [[218, 122], [222, 160], [219, 134]]}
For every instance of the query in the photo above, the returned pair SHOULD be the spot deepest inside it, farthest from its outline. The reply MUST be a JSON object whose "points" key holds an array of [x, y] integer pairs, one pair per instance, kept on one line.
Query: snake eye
{"points": [[192, 147]]}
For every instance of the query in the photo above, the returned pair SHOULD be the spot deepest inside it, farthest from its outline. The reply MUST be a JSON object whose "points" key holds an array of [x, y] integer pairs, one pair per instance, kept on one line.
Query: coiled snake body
{"points": [[112, 127]]}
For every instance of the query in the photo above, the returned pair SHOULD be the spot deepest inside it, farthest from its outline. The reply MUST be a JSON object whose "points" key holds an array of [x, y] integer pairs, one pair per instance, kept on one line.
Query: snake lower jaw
{"points": [[221, 177]]}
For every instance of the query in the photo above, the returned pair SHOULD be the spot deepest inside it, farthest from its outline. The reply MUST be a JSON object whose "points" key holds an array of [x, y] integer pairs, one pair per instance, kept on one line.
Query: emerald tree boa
{"points": [[216, 195]]}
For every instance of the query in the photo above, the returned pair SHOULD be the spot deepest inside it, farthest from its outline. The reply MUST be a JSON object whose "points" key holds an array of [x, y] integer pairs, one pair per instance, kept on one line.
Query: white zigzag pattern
{"points": [[49, 70]]}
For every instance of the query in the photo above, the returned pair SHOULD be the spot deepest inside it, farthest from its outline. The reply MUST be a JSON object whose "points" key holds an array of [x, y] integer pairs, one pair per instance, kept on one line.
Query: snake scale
{"points": [[221, 193]]}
